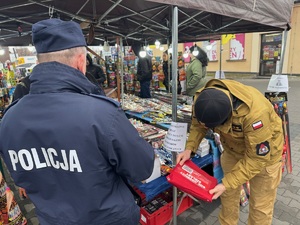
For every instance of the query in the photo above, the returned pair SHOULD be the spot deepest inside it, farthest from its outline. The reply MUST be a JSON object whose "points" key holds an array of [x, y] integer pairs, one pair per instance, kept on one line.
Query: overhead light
{"points": [[185, 55], [143, 53], [161, 48], [2, 51], [106, 45], [208, 47], [157, 43], [195, 51]]}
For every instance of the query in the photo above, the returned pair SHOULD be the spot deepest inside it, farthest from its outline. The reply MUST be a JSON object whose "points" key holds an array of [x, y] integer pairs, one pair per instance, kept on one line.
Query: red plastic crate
{"points": [[141, 194], [164, 214]]}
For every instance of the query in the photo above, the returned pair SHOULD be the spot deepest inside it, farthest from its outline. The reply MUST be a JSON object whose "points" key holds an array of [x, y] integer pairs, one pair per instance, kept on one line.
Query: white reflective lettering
{"points": [[36, 159], [65, 164], [52, 152], [22, 154], [46, 156], [74, 161], [13, 158], [30, 159]]}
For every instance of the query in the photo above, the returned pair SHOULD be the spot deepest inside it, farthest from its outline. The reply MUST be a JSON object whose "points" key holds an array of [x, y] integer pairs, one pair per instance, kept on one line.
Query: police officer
{"points": [[252, 137], [70, 149]]}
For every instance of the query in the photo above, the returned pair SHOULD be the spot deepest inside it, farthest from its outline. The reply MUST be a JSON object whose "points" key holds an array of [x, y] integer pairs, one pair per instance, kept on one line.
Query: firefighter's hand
{"points": [[217, 191], [183, 156]]}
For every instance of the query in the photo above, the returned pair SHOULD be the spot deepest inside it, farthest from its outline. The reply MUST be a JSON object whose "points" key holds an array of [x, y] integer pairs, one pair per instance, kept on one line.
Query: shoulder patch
{"points": [[117, 104], [257, 125], [263, 148], [237, 127]]}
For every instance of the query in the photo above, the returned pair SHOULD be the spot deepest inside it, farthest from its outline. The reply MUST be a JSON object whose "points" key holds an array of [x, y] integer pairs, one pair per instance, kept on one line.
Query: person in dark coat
{"points": [[95, 70], [166, 70], [144, 75], [22, 88], [71, 150]]}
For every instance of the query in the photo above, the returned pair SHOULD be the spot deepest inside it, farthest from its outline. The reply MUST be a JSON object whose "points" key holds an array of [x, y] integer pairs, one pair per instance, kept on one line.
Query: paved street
{"points": [[287, 206]]}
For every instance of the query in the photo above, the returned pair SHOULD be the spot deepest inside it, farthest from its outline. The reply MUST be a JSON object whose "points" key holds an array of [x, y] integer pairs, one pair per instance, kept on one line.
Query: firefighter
{"points": [[252, 136]]}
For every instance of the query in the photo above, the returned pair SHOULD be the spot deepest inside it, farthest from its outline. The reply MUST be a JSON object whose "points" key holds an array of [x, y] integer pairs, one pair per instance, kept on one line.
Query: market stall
{"points": [[137, 21]]}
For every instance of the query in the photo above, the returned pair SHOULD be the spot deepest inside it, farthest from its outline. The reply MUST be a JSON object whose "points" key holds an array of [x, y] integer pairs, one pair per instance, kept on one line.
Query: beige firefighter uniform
{"points": [[252, 138]]}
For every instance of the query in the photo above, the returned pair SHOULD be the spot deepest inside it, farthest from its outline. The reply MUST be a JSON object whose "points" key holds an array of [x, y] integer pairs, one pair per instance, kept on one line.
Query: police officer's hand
{"points": [[217, 191], [22, 193], [183, 156]]}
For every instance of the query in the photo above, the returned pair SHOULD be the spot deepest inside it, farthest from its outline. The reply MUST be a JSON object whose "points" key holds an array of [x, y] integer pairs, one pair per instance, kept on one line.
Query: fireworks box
{"points": [[192, 180]]}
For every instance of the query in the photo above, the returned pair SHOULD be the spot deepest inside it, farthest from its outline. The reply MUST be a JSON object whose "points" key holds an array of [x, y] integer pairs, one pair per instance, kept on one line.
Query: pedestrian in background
{"points": [[72, 150], [144, 75], [166, 69], [95, 70], [196, 70], [252, 137]]}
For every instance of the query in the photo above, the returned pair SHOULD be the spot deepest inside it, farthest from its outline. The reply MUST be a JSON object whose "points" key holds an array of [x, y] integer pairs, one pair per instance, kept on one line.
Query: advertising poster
{"points": [[237, 47], [211, 51], [187, 46]]}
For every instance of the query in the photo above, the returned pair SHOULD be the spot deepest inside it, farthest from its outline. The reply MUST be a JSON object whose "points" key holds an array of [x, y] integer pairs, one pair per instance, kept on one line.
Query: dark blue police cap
{"points": [[54, 35]]}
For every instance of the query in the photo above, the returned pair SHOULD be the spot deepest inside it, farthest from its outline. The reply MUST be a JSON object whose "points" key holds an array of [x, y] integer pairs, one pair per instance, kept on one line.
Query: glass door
{"points": [[270, 53]]}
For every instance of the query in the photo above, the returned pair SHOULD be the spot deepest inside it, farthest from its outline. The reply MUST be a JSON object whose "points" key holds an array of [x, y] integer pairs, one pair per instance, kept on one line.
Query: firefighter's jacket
{"points": [[253, 134]]}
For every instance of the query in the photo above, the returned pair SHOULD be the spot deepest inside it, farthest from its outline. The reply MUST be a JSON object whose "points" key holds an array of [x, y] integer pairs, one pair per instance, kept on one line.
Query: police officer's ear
{"points": [[81, 63]]}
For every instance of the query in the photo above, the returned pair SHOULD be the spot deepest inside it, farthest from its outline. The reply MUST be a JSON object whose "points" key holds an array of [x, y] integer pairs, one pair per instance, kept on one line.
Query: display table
{"points": [[161, 184], [142, 116]]}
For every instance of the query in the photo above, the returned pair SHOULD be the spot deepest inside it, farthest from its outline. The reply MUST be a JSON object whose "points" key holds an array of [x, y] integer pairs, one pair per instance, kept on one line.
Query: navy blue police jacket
{"points": [[71, 151]]}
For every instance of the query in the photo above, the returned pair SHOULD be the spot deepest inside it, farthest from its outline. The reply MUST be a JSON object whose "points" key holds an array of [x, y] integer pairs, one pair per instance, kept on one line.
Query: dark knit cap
{"points": [[212, 107], [54, 35]]}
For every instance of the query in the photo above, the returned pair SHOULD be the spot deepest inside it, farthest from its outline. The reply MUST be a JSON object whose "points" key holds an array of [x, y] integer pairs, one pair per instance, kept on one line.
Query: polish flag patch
{"points": [[257, 125]]}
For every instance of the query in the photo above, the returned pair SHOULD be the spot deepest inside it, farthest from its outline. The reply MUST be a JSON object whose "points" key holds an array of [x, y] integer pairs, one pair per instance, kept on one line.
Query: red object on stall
{"points": [[163, 214], [192, 180]]}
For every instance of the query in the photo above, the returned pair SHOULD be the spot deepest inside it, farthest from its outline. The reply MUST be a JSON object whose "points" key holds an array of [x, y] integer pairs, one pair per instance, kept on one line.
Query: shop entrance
{"points": [[270, 53]]}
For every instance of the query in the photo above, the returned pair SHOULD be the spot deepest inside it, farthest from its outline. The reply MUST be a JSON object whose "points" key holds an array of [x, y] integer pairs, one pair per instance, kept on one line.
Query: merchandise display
{"points": [[10, 212], [167, 97], [129, 74], [279, 102], [150, 133], [155, 111]]}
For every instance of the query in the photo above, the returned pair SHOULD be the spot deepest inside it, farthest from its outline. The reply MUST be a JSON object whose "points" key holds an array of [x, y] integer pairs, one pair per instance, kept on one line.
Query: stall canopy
{"points": [[140, 21]]}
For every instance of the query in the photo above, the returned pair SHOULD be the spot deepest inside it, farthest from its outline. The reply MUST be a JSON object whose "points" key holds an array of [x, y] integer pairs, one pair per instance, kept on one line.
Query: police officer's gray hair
{"points": [[65, 56]]}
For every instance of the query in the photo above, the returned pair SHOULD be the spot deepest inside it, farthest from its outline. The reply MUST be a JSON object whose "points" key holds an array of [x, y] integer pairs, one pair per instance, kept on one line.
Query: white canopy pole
{"points": [[284, 39], [174, 93]]}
